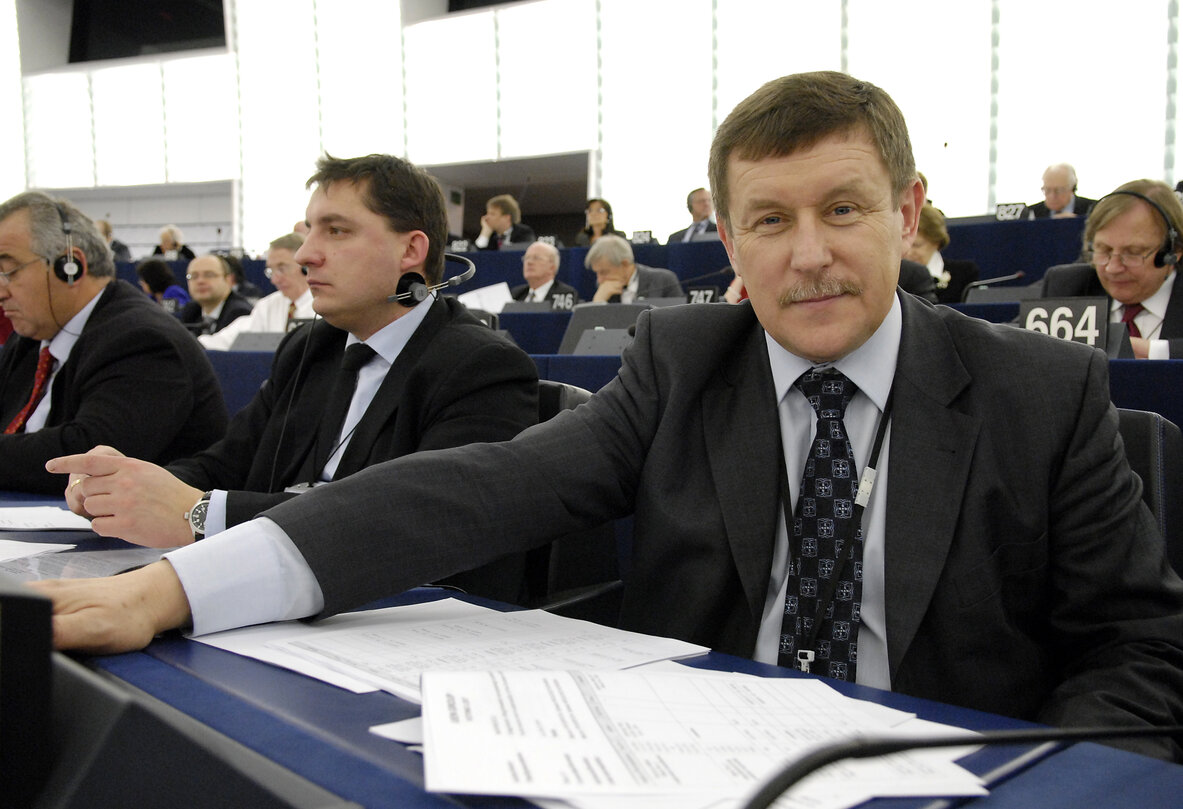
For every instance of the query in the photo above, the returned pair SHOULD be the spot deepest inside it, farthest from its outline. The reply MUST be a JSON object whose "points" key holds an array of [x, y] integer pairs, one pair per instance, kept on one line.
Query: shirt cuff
{"points": [[482, 241], [250, 573], [215, 515]]}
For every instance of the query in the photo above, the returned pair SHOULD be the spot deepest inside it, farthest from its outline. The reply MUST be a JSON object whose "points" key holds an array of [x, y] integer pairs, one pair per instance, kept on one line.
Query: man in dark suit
{"points": [[213, 303], [1133, 238], [698, 202], [621, 280], [540, 264], [113, 367], [1059, 195], [1009, 562], [501, 226], [440, 379]]}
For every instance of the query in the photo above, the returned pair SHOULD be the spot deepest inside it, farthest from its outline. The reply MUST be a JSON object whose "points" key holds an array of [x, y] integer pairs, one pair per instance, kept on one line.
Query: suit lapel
{"points": [[741, 432], [1172, 324], [928, 466]]}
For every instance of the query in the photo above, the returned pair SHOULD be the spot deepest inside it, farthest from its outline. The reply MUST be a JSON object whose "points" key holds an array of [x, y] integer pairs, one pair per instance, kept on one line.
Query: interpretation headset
{"points": [[413, 288], [66, 267], [1166, 255]]}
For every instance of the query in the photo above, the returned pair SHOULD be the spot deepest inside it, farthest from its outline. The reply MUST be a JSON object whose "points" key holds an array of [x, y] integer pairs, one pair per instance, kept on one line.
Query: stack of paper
{"points": [[617, 739]]}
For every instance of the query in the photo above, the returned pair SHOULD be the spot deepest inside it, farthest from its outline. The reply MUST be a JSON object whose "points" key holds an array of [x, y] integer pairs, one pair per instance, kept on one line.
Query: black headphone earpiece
{"points": [[66, 267], [1166, 255], [411, 289]]}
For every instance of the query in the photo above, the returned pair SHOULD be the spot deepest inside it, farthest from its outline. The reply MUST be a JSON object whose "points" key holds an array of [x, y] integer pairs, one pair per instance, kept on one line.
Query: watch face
{"points": [[197, 516]]}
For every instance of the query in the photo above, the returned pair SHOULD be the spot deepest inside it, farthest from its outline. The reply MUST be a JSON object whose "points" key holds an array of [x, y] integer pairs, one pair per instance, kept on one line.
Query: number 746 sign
{"points": [[1082, 320]]}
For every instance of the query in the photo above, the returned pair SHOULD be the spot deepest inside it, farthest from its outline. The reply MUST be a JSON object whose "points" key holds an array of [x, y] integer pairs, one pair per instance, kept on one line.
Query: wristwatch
{"points": [[196, 516]]}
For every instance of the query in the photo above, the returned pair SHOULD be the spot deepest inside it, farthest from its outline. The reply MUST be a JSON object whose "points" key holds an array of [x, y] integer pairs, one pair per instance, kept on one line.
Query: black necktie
{"points": [[825, 584], [337, 406]]}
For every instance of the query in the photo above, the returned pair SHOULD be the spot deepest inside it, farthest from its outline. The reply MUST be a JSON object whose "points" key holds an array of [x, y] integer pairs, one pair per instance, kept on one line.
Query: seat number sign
{"points": [[1081, 320]]}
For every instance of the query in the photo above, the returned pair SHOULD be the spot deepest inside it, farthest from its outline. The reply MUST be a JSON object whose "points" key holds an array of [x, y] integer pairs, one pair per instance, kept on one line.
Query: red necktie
{"points": [[1128, 313], [44, 366]]}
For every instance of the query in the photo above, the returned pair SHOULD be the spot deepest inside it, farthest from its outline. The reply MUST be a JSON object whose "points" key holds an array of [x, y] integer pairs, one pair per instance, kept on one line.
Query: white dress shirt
{"points": [[539, 293], [1149, 320], [872, 368], [270, 314], [60, 346]]}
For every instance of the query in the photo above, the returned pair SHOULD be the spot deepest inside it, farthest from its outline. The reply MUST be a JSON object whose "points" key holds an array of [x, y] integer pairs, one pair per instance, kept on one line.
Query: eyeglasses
{"points": [[1055, 189], [6, 275], [271, 272], [204, 276], [1130, 261]]}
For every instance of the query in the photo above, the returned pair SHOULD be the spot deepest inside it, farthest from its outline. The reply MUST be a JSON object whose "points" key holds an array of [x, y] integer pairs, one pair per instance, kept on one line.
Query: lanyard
{"points": [[805, 653]]}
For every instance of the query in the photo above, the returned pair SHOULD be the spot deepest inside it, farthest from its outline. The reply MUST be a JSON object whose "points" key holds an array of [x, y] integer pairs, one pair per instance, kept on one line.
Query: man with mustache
{"points": [[1001, 558]]}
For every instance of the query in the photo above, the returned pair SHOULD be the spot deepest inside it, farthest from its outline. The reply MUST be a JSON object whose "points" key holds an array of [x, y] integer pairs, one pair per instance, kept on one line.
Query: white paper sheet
{"points": [[41, 518], [491, 298], [80, 565], [15, 549], [393, 655], [575, 735]]}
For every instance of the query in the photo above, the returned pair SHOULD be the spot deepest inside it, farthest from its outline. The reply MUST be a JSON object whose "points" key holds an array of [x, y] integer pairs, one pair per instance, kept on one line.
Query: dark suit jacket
{"points": [[915, 278], [454, 383], [135, 380], [655, 282], [568, 295], [677, 236], [120, 251], [184, 253], [519, 234], [1081, 206], [1023, 573], [235, 307], [1080, 280], [960, 272]]}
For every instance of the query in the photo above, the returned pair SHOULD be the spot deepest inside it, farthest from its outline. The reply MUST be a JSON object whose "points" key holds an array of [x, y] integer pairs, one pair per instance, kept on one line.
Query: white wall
{"points": [[994, 90]]}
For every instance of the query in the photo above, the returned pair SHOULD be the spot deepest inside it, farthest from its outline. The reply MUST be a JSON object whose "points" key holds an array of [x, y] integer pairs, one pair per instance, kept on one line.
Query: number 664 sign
{"points": [[1082, 320]]}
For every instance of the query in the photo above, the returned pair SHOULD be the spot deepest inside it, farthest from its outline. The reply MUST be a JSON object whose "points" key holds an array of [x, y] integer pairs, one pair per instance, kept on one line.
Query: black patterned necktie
{"points": [[825, 584]]}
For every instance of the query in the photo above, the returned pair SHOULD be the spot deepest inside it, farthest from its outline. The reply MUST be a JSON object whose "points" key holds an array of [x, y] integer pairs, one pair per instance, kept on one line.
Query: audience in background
{"points": [[119, 250], [1059, 195], [158, 280], [701, 228], [621, 280], [598, 222], [540, 264], [291, 300], [423, 376], [213, 303], [950, 275], [501, 226], [238, 280], [1132, 239], [172, 245], [94, 360]]}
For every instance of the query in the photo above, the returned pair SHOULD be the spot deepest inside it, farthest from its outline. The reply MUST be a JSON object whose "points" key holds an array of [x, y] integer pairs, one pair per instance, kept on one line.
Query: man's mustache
{"points": [[819, 288]]}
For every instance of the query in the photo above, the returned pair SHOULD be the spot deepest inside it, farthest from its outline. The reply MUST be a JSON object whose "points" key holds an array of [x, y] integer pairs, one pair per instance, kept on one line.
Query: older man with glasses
{"points": [[290, 303], [1132, 240], [93, 360]]}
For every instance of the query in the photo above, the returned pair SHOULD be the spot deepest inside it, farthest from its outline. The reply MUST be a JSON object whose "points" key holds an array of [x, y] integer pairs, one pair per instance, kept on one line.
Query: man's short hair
{"points": [[1114, 205], [507, 204], [47, 236], [174, 233], [104, 227], [932, 226], [1066, 167], [156, 273], [690, 199], [406, 195], [796, 112], [613, 249], [288, 241]]}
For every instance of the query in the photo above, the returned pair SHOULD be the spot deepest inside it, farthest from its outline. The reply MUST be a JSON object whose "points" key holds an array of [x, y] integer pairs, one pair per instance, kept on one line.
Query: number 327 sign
{"points": [[1082, 320]]}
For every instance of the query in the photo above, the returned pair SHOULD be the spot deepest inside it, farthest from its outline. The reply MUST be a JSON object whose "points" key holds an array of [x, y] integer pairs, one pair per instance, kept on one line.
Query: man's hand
{"points": [[116, 614], [128, 498], [607, 289], [486, 228], [1141, 346]]}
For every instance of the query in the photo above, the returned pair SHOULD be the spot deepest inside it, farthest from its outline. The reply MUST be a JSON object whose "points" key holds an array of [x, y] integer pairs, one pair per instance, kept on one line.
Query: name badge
{"points": [[1081, 320]]}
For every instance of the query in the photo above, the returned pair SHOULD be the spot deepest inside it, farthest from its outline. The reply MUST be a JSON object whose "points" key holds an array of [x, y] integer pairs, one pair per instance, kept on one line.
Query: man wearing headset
{"points": [[93, 361], [1132, 237], [435, 377]]}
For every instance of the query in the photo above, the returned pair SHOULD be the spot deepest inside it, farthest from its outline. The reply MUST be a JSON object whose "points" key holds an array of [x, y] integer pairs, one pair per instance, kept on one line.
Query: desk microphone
{"points": [[726, 269], [871, 746], [412, 288], [985, 282]]}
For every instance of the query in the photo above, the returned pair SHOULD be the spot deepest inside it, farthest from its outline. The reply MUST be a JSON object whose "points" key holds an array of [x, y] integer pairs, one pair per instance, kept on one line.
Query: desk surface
{"points": [[321, 732]]}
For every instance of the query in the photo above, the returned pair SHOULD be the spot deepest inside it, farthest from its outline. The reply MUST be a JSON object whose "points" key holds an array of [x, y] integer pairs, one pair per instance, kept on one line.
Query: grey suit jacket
{"points": [[1023, 574], [1076, 280], [654, 282]]}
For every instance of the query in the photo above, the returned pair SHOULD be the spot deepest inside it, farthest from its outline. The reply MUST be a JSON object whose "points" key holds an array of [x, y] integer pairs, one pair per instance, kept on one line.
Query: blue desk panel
{"points": [[536, 332], [1002, 248]]}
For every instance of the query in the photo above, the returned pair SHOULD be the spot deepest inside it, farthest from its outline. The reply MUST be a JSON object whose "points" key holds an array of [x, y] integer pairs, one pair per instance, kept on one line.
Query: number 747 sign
{"points": [[1082, 320]]}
